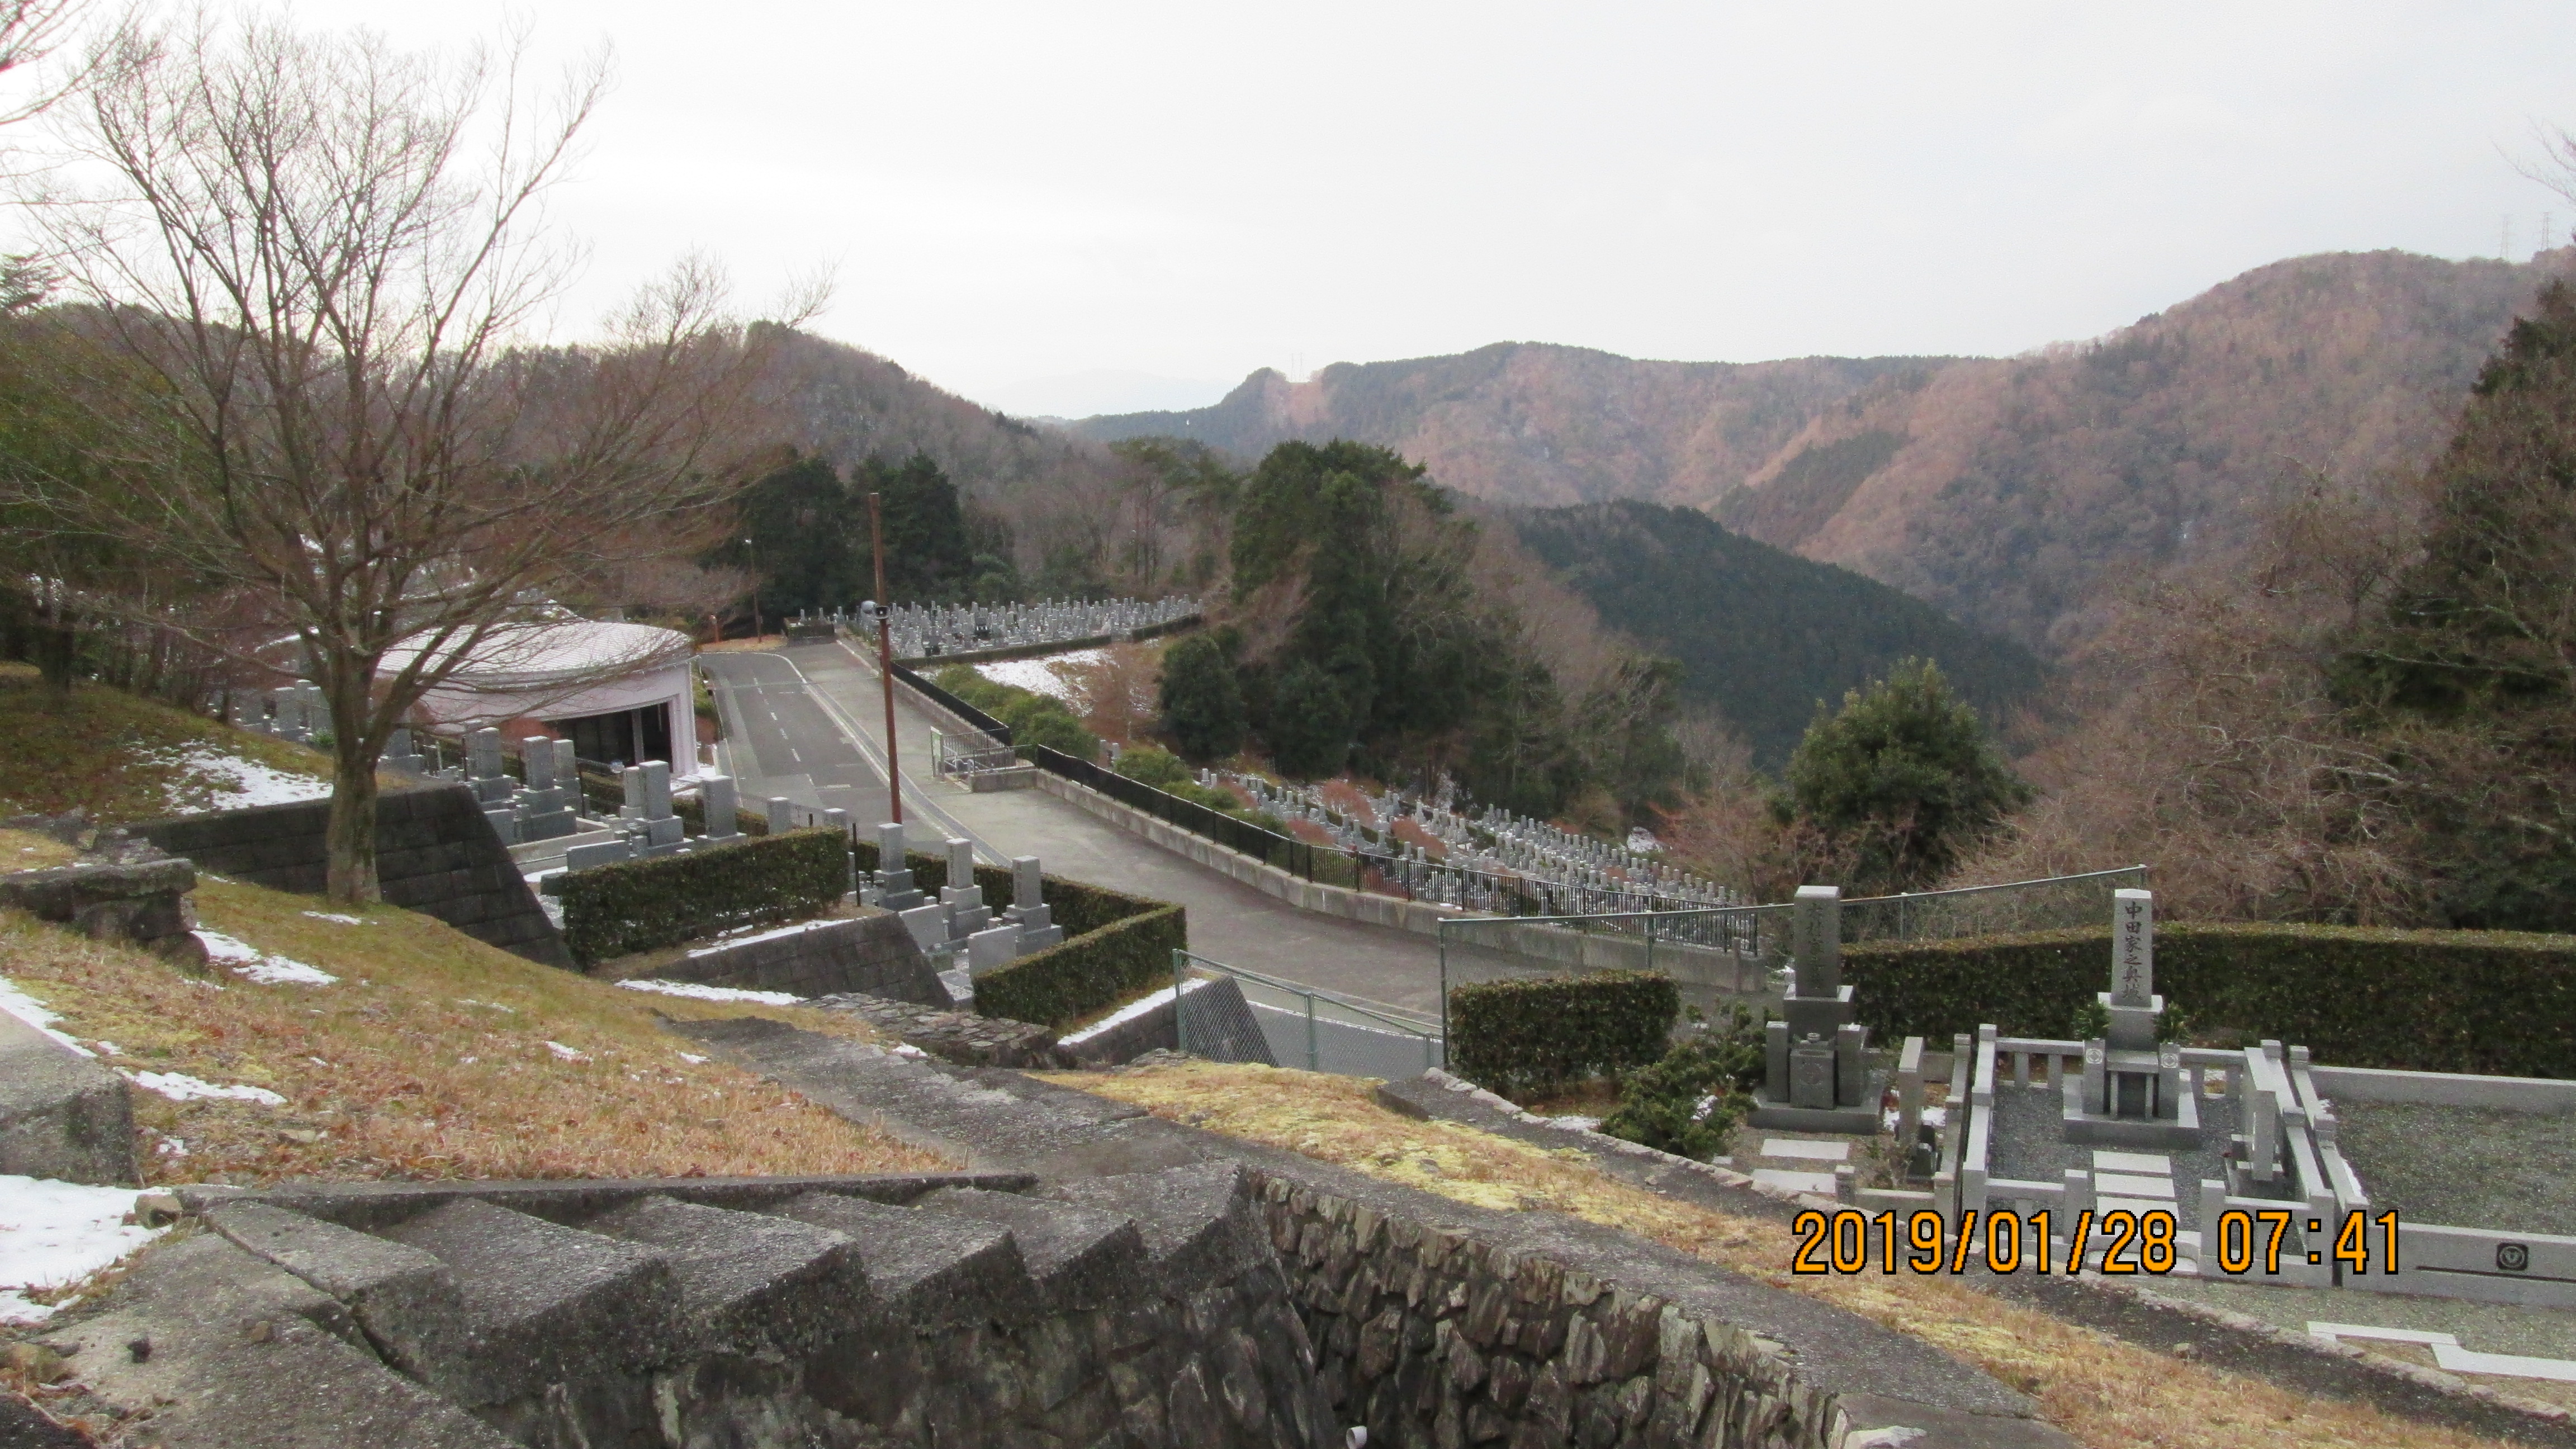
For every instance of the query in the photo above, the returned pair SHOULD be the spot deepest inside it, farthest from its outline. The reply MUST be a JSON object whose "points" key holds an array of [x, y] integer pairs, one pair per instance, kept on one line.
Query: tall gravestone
{"points": [[1816, 1074], [2132, 1090], [895, 890]]}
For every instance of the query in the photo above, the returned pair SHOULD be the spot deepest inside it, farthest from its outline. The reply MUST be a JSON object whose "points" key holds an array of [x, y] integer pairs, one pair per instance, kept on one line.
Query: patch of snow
{"points": [[907, 1049], [565, 1053], [691, 1060], [180, 1087], [695, 992], [111, 1048], [249, 961], [54, 1234], [335, 916], [1133, 1010], [486, 1005], [1034, 675], [771, 934], [230, 782], [34, 1013], [1576, 1123], [172, 1147]]}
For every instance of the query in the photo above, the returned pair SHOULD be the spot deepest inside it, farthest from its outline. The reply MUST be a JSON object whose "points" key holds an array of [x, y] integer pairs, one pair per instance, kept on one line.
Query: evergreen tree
{"points": [[2464, 684], [796, 536], [1202, 701], [928, 555], [1310, 723], [1902, 776]]}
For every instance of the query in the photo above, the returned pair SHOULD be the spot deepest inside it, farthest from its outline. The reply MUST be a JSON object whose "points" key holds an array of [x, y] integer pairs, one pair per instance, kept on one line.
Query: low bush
{"points": [[1540, 1033], [1087, 973], [639, 905], [2485, 1002], [1156, 767], [1033, 718], [1691, 1101]]}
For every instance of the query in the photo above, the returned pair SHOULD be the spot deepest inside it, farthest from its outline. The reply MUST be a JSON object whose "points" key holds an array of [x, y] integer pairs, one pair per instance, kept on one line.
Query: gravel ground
{"points": [[2463, 1166], [2029, 1143], [2486, 1327]]}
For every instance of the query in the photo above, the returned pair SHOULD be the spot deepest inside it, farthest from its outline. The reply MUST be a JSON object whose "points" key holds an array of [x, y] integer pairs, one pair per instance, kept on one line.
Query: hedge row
{"points": [[1538, 1033], [639, 905], [2489, 1002], [1090, 972]]}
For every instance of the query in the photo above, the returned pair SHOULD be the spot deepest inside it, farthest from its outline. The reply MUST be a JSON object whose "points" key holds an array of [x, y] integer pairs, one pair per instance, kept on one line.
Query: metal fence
{"points": [[1719, 952], [958, 754], [1318, 1030]]}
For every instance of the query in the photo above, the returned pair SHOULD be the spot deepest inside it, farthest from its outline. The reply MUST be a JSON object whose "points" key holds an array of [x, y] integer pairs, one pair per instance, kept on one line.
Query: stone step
{"points": [[545, 1303], [928, 1270], [1080, 1257], [749, 1283], [404, 1299], [1198, 1223]]}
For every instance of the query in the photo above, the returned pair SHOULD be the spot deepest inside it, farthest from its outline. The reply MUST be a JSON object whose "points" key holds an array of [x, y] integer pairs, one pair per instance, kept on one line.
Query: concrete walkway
{"points": [[808, 722]]}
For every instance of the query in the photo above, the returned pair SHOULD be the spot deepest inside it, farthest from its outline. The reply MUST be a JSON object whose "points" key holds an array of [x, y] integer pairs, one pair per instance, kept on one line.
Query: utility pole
{"points": [[885, 661], [755, 589]]}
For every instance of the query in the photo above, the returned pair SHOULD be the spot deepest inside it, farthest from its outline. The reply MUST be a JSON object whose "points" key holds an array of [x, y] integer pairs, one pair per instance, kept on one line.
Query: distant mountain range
{"points": [[2012, 493]]}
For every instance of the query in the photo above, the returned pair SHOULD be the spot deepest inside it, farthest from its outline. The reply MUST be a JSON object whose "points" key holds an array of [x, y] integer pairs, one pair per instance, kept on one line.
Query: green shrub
{"points": [[639, 905], [1161, 769], [1691, 1101], [1537, 1033], [2484, 1002], [1087, 973]]}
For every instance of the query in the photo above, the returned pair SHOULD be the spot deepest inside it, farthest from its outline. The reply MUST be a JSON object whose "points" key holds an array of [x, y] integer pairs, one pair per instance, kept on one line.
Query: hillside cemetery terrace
{"points": [[935, 631], [2381, 1181], [1478, 859]]}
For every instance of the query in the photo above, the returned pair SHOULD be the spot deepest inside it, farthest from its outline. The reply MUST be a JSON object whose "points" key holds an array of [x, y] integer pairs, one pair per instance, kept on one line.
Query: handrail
{"points": [[1378, 1011]]}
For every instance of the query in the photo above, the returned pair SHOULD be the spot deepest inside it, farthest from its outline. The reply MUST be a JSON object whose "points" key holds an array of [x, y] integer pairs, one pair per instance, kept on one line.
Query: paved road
{"points": [[807, 722]]}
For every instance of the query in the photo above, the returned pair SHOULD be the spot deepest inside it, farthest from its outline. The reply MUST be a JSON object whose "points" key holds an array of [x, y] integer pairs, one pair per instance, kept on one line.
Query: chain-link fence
{"points": [[1721, 953], [1307, 1028]]}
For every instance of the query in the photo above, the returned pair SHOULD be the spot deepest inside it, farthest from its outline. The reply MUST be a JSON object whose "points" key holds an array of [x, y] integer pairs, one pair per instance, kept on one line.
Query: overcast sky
{"points": [[1076, 208]]}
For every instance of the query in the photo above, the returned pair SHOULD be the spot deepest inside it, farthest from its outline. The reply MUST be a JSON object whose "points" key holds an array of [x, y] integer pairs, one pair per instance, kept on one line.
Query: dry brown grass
{"points": [[2106, 1392], [429, 1059], [25, 850]]}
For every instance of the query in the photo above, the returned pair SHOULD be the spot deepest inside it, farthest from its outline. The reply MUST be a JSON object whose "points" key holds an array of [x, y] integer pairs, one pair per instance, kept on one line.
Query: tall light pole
{"points": [[885, 662], [753, 560]]}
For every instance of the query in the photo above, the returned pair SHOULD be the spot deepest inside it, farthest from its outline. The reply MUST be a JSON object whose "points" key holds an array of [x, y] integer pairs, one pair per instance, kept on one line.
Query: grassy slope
{"points": [[113, 754], [2106, 1392], [428, 1059]]}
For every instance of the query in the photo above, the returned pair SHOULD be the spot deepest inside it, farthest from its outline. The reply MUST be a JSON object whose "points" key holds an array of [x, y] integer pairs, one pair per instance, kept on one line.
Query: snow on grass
{"points": [[335, 916], [54, 1234], [31, 1011], [728, 941], [1135, 1009], [180, 1087], [695, 992], [248, 960], [209, 779], [1034, 675], [567, 1054]]}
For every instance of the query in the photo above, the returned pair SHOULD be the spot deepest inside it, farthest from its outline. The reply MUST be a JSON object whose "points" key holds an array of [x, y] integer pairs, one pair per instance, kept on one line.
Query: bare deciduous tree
{"points": [[327, 257]]}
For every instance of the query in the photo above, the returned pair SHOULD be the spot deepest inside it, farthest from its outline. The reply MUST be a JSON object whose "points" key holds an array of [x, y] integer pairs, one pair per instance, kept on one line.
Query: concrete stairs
{"points": [[707, 1311]]}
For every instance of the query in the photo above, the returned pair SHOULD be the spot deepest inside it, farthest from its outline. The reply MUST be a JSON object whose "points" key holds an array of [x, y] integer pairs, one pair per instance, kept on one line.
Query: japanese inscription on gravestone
{"points": [[2133, 979]]}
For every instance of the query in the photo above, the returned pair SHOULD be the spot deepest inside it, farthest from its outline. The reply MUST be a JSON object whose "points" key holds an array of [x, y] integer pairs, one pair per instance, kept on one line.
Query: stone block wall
{"points": [[872, 955], [141, 902], [435, 853], [1433, 1338]]}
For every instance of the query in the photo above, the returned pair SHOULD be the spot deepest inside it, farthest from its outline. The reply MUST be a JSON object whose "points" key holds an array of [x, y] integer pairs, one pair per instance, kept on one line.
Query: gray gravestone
{"points": [[716, 791]]}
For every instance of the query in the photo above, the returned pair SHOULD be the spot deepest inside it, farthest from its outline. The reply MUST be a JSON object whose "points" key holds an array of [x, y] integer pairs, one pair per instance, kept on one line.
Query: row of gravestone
{"points": [[961, 933], [923, 631]]}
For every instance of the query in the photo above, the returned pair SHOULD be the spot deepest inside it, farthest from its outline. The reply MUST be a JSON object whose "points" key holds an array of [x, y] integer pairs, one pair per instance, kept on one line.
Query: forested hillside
{"points": [[1762, 635], [2013, 493]]}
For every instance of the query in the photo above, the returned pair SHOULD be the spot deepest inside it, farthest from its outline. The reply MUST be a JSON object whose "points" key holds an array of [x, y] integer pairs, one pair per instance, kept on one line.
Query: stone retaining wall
{"points": [[873, 955], [435, 853], [1433, 1338]]}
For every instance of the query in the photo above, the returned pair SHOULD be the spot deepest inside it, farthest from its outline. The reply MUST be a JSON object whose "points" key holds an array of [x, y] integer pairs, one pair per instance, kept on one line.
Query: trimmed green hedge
{"points": [[1541, 1032], [1087, 973], [1115, 945], [2499, 1003], [638, 905]]}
